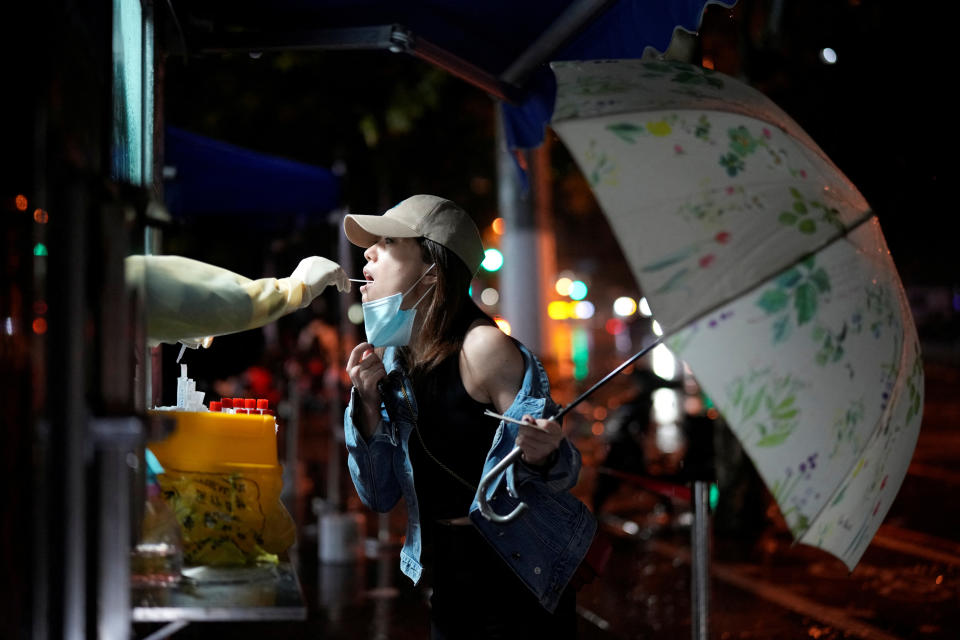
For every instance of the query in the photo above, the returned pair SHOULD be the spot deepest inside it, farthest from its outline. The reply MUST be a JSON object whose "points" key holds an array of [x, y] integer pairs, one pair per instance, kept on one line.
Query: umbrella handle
{"points": [[485, 507]]}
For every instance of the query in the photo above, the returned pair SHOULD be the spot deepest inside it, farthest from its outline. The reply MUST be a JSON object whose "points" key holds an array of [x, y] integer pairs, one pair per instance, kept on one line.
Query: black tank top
{"points": [[451, 431]]}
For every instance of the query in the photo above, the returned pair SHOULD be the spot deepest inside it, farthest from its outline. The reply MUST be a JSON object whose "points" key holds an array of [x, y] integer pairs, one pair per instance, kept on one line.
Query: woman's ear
{"points": [[430, 277]]}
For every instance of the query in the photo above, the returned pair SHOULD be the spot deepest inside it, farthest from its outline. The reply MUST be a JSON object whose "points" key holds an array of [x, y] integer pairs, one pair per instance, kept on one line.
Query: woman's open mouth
{"points": [[369, 278]]}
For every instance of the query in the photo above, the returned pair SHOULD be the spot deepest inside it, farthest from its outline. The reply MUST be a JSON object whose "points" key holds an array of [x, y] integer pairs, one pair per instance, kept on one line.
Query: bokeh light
{"points": [[355, 313], [584, 310], [578, 290], [492, 260], [668, 437], [498, 226], [502, 324], [490, 296], [644, 308], [558, 310], [624, 306], [663, 362], [615, 326], [21, 202], [666, 409], [563, 286]]}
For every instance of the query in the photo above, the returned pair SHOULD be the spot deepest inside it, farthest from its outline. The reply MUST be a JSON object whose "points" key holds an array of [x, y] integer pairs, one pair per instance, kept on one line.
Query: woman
{"points": [[415, 428]]}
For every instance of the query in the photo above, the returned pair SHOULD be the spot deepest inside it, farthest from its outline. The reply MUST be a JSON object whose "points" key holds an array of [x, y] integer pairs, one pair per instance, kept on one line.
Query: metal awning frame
{"points": [[396, 38]]}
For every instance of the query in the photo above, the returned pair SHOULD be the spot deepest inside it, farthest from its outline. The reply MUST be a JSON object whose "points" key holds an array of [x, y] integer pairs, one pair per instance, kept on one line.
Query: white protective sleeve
{"points": [[189, 300]]}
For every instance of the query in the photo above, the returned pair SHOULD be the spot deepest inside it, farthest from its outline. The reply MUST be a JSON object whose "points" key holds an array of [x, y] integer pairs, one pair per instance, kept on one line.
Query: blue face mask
{"points": [[386, 324]]}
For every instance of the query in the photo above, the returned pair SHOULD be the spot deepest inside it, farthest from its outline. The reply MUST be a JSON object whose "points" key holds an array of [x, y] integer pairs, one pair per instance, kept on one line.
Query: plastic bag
{"points": [[228, 519]]}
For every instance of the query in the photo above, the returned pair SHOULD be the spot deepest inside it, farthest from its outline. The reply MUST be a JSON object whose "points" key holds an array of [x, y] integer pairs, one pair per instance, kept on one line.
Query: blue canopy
{"points": [[625, 30], [212, 177]]}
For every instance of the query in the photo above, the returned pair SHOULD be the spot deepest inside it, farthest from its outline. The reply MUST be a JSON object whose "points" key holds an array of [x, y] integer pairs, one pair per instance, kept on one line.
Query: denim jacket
{"points": [[543, 546]]}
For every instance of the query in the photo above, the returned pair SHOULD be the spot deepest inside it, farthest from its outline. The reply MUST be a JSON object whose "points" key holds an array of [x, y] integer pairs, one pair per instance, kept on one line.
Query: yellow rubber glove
{"points": [[188, 300]]}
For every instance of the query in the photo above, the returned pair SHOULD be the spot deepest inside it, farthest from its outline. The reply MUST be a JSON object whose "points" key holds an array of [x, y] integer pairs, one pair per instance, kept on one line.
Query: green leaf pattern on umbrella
{"points": [[803, 285], [767, 404], [603, 171]]}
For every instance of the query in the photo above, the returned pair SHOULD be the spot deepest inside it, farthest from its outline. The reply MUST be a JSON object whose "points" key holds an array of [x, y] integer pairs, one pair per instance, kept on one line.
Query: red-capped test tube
{"points": [[226, 404], [215, 406], [238, 406], [262, 405]]}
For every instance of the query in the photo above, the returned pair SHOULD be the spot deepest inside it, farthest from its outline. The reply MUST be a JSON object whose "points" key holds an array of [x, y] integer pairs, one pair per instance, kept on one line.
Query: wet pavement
{"points": [[907, 584]]}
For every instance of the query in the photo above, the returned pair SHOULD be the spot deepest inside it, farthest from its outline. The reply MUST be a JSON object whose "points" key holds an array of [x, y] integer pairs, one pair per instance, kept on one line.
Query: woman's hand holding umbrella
{"points": [[538, 439]]}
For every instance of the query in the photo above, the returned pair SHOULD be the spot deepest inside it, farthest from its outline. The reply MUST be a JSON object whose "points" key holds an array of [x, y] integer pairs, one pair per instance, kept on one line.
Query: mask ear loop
{"points": [[417, 303], [418, 282]]}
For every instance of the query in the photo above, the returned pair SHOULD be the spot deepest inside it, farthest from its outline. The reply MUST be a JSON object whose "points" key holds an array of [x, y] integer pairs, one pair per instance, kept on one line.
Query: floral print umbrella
{"points": [[770, 275]]}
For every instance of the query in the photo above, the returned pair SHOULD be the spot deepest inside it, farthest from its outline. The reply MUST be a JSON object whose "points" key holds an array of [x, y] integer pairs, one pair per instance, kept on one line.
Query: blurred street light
{"points": [[578, 290], [583, 310], [490, 296], [644, 308], [492, 260], [624, 306]]}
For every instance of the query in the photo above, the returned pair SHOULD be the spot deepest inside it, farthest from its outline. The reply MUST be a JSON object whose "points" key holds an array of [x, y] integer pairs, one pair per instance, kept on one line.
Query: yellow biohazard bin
{"points": [[223, 481]]}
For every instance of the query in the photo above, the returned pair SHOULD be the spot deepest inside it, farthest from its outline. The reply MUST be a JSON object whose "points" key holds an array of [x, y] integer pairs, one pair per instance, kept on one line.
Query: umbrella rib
{"points": [[859, 222]]}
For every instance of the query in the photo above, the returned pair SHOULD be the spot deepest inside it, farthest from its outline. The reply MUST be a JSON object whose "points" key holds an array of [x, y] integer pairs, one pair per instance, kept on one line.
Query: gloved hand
{"points": [[317, 274], [193, 343], [196, 343]]}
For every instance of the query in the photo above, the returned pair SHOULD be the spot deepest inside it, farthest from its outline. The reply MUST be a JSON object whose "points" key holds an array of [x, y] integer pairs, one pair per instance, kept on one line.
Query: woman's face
{"points": [[393, 265]]}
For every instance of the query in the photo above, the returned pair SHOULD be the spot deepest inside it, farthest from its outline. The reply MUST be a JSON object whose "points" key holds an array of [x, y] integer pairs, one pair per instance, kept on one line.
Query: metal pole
{"points": [[68, 356], [575, 18], [519, 278], [116, 442], [700, 563]]}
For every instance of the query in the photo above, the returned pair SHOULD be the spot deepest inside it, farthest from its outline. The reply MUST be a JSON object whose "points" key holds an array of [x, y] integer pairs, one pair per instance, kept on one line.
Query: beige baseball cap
{"points": [[432, 217]]}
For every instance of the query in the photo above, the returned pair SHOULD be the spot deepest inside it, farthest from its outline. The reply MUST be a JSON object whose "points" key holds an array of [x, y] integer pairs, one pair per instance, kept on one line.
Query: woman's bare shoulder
{"points": [[492, 359], [489, 342]]}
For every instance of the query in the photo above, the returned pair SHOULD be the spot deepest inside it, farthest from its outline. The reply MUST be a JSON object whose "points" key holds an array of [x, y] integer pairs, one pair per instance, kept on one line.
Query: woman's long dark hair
{"points": [[449, 314]]}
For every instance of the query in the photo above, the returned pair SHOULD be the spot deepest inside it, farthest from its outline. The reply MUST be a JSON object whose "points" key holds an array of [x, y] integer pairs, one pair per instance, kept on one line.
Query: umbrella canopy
{"points": [[770, 274]]}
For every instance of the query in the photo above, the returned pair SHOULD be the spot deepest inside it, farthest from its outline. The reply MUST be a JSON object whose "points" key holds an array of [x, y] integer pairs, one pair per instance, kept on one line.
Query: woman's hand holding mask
{"points": [[366, 370]]}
